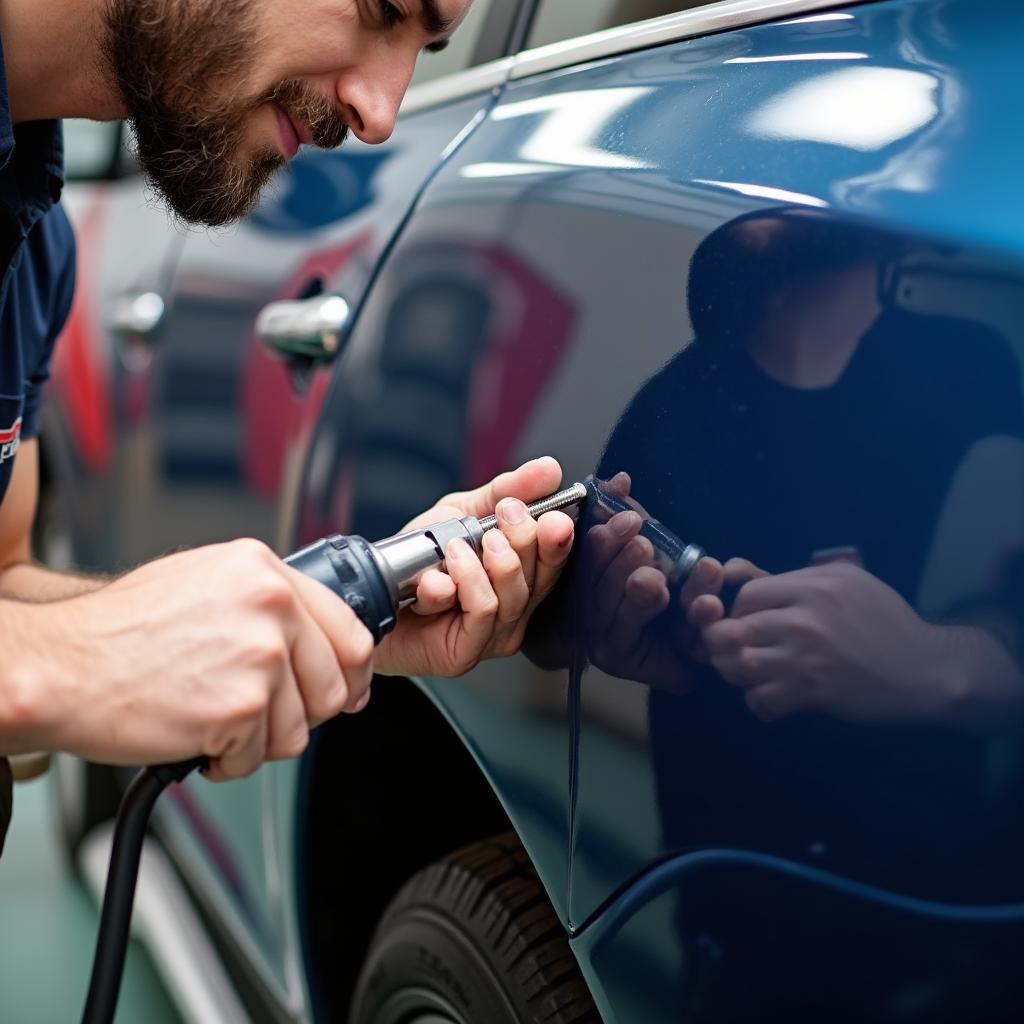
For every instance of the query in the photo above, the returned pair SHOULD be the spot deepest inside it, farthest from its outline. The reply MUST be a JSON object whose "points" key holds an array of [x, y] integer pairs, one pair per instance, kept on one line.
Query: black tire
{"points": [[472, 939]]}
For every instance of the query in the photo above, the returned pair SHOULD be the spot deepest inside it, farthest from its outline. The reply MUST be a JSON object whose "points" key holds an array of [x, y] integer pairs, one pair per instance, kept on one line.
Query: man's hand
{"points": [[632, 633], [480, 607], [223, 651], [837, 640]]}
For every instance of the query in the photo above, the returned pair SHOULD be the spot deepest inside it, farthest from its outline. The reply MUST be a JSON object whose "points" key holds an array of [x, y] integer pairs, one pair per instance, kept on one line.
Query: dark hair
{"points": [[741, 264]]}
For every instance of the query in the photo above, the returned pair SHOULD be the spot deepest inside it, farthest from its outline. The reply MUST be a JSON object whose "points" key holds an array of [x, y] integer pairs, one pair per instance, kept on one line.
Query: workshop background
{"points": [[50, 925]]}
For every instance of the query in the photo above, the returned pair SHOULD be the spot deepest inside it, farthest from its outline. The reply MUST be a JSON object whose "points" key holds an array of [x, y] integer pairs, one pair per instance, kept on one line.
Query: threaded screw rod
{"points": [[562, 499]]}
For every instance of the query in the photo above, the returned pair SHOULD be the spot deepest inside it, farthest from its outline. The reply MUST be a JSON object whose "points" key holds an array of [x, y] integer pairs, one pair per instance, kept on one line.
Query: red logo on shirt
{"points": [[9, 441]]}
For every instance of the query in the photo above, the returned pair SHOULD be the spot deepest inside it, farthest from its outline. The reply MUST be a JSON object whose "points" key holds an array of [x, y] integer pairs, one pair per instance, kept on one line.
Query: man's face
{"points": [[220, 93]]}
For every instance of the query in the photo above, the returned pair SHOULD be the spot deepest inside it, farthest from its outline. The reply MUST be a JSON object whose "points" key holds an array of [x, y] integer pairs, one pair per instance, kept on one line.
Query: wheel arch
{"points": [[383, 794]]}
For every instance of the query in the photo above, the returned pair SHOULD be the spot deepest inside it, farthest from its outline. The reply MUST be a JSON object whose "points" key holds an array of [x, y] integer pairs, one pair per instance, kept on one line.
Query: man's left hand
{"points": [[481, 606]]}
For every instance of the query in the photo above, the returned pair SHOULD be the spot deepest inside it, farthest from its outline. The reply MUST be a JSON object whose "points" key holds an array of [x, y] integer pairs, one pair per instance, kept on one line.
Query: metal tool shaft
{"points": [[562, 499]]}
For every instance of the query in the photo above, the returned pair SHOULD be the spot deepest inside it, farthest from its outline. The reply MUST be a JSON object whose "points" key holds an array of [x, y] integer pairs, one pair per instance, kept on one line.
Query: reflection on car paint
{"points": [[819, 430], [829, 390]]}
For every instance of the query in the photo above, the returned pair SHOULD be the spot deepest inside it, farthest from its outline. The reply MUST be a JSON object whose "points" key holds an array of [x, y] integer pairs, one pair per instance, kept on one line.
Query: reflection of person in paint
{"points": [[809, 422], [804, 374]]}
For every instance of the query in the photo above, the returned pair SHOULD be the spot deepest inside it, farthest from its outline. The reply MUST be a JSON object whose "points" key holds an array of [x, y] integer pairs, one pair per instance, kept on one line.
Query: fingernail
{"points": [[622, 522], [363, 701], [512, 510], [496, 541], [455, 550], [565, 542]]}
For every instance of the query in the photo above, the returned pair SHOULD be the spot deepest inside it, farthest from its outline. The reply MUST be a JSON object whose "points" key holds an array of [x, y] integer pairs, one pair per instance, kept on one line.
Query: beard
{"points": [[180, 66]]}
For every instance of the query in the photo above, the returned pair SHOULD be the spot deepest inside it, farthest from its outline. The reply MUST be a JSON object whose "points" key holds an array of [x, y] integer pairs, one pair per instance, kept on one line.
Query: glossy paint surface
{"points": [[776, 277]]}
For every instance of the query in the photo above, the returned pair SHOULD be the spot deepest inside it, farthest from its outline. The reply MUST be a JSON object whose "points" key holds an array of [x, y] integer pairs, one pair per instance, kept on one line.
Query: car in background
{"points": [[763, 257]]}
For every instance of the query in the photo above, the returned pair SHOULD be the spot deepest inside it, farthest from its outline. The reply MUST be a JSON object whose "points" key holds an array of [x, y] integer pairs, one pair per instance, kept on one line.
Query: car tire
{"points": [[468, 939]]}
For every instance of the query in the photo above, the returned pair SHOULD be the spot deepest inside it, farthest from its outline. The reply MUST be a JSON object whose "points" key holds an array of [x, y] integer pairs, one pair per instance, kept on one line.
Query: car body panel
{"points": [[599, 184], [768, 939]]}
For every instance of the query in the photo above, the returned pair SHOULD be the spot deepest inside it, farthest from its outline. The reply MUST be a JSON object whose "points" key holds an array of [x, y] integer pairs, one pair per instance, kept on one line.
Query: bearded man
{"points": [[220, 651]]}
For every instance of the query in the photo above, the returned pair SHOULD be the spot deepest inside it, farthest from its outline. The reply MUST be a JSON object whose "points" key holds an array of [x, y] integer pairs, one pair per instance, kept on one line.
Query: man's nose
{"points": [[370, 104]]}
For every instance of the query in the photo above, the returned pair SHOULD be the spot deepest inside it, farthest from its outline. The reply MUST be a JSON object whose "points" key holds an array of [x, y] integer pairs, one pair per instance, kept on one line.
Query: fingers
{"points": [[477, 600], [705, 610], [520, 529], [287, 718], [750, 666], [610, 586], [435, 593], [707, 577], [555, 532], [325, 693], [749, 651], [644, 597], [603, 543], [763, 593], [619, 485], [507, 574], [533, 480], [738, 571], [242, 756], [774, 700]]}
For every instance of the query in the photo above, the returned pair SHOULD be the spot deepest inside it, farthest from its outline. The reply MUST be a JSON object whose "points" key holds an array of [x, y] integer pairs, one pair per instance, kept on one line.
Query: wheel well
{"points": [[386, 792]]}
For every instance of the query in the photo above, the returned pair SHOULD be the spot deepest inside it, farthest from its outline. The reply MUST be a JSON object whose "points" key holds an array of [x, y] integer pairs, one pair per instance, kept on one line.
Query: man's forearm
{"points": [[32, 678], [28, 581]]}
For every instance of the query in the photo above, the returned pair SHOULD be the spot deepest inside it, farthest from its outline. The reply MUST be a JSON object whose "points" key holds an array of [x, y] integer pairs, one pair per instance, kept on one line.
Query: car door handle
{"points": [[139, 315], [311, 328]]}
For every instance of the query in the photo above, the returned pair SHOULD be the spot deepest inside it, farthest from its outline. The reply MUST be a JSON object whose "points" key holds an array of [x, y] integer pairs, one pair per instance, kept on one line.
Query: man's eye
{"points": [[389, 13]]}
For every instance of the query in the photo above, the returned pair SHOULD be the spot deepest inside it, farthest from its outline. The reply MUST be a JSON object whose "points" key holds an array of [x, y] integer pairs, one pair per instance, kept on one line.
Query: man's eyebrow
{"points": [[433, 20]]}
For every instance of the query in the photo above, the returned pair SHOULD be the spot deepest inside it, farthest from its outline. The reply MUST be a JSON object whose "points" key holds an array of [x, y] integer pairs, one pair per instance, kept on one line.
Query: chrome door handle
{"points": [[138, 315], [305, 327]]}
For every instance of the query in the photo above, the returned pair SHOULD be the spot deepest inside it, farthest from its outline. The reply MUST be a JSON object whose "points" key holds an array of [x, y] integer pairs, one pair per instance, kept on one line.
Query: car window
{"points": [[556, 20], [462, 51]]}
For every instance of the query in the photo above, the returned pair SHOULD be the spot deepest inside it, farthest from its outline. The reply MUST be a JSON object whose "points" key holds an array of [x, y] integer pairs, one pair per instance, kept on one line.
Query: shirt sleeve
{"points": [[56, 240]]}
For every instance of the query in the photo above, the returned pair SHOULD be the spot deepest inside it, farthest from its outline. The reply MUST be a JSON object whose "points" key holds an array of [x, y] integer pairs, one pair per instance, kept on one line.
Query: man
{"points": [[222, 651]]}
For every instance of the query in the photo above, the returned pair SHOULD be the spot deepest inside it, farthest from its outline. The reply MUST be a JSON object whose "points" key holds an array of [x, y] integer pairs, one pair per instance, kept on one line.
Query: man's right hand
{"points": [[223, 651]]}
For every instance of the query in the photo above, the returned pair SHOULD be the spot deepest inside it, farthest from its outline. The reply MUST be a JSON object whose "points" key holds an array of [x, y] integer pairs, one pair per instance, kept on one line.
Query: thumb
{"points": [[532, 480]]}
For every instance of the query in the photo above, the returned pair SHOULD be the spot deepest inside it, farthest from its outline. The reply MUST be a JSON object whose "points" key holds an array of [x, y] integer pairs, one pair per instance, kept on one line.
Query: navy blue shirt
{"points": [[37, 279], [37, 263]]}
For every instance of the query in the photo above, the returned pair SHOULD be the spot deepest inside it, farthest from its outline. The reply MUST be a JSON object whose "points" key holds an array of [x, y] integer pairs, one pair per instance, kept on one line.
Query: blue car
{"points": [[755, 270]]}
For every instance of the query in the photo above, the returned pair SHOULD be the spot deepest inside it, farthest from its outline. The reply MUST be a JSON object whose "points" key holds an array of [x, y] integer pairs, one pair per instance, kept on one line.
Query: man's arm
{"points": [[227, 651], [20, 577]]}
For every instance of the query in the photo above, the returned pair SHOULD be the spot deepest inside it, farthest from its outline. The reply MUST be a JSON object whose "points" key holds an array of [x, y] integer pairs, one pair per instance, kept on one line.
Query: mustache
{"points": [[304, 104]]}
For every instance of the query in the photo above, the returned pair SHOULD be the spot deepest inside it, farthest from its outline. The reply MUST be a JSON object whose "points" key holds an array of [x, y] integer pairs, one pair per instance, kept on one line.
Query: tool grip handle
{"points": [[347, 566]]}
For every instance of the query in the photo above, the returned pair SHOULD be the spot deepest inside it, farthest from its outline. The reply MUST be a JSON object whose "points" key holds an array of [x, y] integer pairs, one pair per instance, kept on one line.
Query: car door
{"points": [[225, 431], [757, 257], [127, 249], [779, 840]]}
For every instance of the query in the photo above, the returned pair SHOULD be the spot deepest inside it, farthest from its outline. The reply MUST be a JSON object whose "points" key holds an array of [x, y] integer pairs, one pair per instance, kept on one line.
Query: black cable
{"points": [[125, 854]]}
